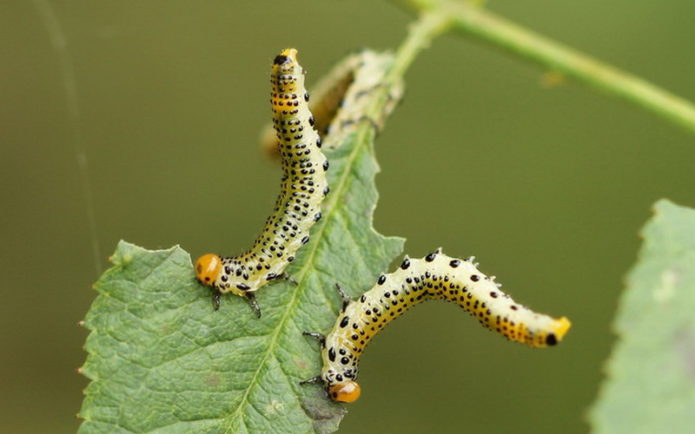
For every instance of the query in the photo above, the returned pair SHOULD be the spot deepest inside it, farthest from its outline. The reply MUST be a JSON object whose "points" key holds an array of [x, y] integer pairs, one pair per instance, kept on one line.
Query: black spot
{"points": [[331, 354], [325, 165], [344, 360], [455, 263], [475, 277], [344, 321], [317, 216], [431, 256], [405, 264], [312, 121], [305, 240], [318, 142], [243, 286], [306, 97], [381, 280], [493, 294], [280, 59], [551, 339], [271, 276]]}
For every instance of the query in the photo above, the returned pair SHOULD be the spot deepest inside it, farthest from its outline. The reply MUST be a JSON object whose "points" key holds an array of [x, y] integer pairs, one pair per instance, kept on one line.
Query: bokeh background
{"points": [[547, 186]]}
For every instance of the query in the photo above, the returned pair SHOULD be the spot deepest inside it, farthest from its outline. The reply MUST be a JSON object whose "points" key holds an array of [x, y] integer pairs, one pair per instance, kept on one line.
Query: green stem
{"points": [[473, 20], [420, 35]]}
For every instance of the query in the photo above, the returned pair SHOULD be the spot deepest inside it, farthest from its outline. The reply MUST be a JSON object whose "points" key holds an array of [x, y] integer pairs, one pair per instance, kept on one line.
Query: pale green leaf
{"points": [[650, 386], [161, 360]]}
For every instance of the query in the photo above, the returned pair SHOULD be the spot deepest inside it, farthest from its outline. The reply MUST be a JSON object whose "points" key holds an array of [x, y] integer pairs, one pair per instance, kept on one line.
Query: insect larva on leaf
{"points": [[434, 277], [297, 207], [340, 99]]}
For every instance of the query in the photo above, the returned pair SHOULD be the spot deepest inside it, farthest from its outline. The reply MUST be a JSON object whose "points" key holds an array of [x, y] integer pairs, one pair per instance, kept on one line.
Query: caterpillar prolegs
{"points": [[297, 208], [434, 277]]}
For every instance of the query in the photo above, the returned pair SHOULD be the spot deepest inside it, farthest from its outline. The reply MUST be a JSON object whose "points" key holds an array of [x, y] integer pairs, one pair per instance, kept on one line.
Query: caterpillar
{"points": [[297, 208], [434, 277], [339, 99]]}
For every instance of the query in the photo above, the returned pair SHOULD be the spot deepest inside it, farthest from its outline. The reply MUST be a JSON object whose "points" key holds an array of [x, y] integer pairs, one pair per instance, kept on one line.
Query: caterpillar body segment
{"points": [[297, 208], [339, 100], [434, 277]]}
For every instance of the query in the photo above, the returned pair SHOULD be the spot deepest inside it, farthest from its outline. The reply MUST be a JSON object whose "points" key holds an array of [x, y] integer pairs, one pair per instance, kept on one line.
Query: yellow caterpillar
{"points": [[434, 277], [297, 208]]}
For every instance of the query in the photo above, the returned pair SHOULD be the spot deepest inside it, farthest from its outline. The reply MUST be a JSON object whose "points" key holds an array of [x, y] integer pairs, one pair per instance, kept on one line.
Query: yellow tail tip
{"points": [[285, 56], [289, 52], [563, 326]]}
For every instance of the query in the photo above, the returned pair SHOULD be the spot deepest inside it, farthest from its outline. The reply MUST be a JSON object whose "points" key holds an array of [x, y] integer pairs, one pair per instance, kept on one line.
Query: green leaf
{"points": [[650, 386], [161, 360]]}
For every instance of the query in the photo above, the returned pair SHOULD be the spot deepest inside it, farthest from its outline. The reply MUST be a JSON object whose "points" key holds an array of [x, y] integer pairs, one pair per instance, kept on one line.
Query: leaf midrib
{"points": [[331, 208]]}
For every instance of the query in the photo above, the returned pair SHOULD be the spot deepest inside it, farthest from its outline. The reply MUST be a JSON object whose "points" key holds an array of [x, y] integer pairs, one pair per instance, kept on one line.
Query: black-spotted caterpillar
{"points": [[340, 99], [436, 276], [302, 190]]}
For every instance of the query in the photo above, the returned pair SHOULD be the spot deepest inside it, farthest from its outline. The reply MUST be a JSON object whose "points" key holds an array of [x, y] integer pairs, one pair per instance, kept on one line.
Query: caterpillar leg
{"points": [[392, 98], [288, 278], [313, 380], [216, 296], [318, 336], [346, 298], [372, 122], [251, 298]]}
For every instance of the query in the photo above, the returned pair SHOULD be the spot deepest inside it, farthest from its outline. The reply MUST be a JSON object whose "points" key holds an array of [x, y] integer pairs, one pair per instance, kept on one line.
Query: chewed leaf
{"points": [[161, 360], [650, 385]]}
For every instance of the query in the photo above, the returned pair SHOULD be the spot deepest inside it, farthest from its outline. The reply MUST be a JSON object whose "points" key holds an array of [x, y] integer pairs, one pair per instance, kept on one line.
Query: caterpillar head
{"points": [[346, 391], [207, 268]]}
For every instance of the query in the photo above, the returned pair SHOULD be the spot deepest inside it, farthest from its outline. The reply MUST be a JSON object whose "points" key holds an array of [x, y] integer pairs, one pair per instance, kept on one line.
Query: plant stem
{"points": [[473, 20], [420, 35]]}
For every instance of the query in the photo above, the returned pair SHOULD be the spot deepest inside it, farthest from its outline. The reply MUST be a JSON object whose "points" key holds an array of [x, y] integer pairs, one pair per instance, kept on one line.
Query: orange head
{"points": [[207, 268], [347, 391]]}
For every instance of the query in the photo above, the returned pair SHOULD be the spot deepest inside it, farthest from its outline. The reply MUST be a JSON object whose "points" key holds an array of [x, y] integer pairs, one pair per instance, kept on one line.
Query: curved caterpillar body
{"points": [[297, 207], [339, 99], [436, 276]]}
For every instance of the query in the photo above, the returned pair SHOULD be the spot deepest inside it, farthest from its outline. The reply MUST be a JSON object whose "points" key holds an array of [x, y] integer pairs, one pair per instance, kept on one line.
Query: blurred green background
{"points": [[547, 186]]}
